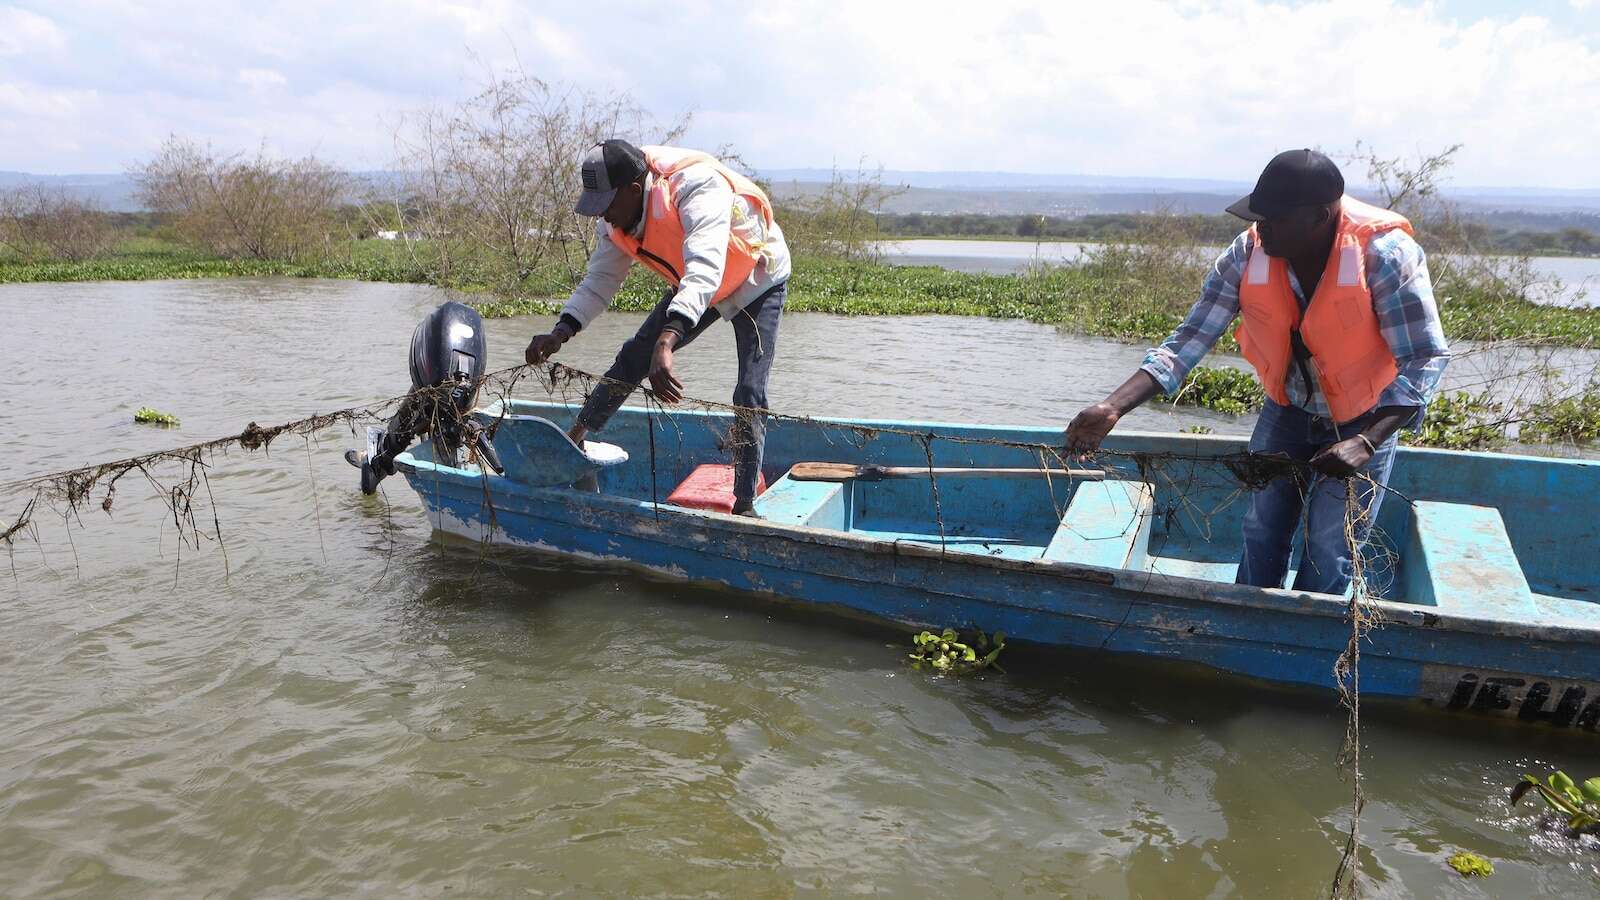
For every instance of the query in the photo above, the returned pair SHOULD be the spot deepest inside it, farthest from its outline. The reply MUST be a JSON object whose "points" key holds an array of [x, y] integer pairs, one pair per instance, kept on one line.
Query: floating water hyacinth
{"points": [[1580, 804], [1471, 865], [147, 416], [948, 654]]}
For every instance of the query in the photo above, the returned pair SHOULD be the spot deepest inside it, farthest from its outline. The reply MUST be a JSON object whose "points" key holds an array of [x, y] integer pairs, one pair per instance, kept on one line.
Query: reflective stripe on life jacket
{"points": [[1353, 363], [661, 248]]}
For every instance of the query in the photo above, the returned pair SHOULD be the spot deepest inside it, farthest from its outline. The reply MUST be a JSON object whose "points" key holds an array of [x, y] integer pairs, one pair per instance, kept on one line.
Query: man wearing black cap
{"points": [[1337, 316], [708, 231]]}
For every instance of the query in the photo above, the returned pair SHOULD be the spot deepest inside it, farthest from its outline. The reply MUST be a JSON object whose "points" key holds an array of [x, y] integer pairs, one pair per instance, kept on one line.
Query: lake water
{"points": [[1561, 279], [347, 707]]}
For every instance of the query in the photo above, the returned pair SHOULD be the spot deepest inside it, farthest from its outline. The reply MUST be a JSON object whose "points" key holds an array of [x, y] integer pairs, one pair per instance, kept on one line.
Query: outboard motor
{"points": [[448, 355]]}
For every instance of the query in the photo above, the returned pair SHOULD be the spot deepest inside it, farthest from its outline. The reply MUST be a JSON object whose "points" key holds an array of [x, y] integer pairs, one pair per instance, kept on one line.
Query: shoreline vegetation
{"points": [[1488, 239], [484, 207], [1127, 292]]}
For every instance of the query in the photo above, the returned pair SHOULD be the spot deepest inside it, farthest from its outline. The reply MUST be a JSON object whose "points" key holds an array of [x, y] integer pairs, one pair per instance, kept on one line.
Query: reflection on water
{"points": [[351, 707]]}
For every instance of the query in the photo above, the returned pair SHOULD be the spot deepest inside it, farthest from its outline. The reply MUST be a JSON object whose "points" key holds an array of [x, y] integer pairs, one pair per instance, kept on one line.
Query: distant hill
{"points": [[1013, 193], [113, 192], [1019, 181]]}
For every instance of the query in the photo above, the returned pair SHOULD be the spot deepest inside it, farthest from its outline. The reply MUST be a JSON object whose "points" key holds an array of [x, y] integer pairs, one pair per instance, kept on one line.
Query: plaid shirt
{"points": [[1402, 298]]}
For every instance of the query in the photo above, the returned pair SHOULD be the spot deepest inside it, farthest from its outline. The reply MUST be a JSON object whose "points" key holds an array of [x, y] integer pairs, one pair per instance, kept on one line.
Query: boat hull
{"points": [[1516, 671]]}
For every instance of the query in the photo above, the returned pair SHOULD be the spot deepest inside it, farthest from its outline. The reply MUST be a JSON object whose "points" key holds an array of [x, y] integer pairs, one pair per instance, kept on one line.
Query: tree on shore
{"points": [[237, 206], [841, 220], [38, 223], [490, 182]]}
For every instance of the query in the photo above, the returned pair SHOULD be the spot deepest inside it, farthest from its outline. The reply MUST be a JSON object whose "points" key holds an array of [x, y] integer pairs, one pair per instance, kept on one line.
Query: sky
{"points": [[1183, 89]]}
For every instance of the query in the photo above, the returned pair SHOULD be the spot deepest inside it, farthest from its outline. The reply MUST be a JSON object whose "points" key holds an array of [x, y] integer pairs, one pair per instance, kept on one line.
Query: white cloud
{"points": [[22, 31], [36, 102], [1200, 89], [262, 79]]}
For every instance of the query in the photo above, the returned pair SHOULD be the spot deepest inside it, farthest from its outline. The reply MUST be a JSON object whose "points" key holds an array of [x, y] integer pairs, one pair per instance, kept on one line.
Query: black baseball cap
{"points": [[607, 166], [1293, 178]]}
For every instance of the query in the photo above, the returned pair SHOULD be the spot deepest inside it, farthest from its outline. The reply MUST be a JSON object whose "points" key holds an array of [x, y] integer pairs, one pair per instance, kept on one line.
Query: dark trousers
{"points": [[1278, 509], [755, 338]]}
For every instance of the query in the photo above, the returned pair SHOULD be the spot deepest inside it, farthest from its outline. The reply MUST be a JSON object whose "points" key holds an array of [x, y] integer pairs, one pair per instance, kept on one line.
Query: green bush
{"points": [[1225, 390], [1459, 421], [1574, 420]]}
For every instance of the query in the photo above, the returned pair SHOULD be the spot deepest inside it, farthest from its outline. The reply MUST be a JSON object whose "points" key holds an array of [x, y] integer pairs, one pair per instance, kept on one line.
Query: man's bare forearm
{"points": [[1134, 392], [1386, 421]]}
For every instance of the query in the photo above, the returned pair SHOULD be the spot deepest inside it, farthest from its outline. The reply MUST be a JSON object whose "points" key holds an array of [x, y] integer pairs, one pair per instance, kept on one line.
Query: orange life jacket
{"points": [[1354, 364], [661, 248]]}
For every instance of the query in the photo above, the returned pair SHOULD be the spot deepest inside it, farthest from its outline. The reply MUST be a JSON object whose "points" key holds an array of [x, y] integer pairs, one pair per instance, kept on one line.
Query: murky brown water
{"points": [[350, 709]]}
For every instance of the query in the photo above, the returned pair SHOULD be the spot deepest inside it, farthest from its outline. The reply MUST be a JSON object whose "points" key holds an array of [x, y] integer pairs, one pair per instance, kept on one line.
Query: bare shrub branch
{"points": [[234, 206], [492, 180], [840, 221], [38, 223]]}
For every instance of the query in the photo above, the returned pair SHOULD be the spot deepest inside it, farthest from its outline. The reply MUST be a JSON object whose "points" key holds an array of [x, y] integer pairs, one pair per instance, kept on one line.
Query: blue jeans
{"points": [[1276, 510], [755, 340]]}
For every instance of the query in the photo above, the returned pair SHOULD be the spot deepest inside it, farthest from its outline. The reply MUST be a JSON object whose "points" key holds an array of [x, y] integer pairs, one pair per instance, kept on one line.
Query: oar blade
{"points": [[823, 471]]}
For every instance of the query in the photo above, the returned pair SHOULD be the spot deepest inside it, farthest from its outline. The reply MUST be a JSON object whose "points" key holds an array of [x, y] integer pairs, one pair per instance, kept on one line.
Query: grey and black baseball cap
{"points": [[607, 166], [1293, 178]]}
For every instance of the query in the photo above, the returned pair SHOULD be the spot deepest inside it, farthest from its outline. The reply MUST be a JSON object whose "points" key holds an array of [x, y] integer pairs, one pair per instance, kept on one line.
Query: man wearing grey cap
{"points": [[1337, 316], [709, 232]]}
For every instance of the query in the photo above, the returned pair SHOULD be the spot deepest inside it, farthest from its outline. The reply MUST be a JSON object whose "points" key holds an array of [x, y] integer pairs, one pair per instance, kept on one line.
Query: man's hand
{"points": [[1090, 427], [544, 346], [1343, 459], [667, 387]]}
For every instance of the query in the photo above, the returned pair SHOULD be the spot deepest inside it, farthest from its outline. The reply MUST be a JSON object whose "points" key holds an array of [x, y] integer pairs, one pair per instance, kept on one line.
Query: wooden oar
{"points": [[825, 471]]}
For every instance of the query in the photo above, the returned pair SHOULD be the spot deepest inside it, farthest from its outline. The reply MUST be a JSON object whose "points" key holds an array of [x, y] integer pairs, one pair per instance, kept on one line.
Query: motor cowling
{"points": [[449, 346], [449, 352]]}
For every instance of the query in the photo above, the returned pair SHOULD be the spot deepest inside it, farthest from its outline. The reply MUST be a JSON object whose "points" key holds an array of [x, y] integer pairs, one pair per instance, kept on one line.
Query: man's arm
{"points": [[1165, 366], [705, 207], [1408, 319], [607, 269]]}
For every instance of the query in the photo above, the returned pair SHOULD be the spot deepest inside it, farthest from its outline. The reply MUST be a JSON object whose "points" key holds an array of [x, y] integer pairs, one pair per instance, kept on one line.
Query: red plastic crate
{"points": [[710, 486]]}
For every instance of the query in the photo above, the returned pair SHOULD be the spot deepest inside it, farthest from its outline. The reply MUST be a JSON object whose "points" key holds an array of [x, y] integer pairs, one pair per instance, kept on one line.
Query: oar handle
{"points": [[1007, 472]]}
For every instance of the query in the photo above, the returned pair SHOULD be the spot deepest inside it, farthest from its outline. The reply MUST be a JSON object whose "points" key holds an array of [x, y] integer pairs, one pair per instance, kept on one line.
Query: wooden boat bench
{"points": [[1107, 523], [1460, 559]]}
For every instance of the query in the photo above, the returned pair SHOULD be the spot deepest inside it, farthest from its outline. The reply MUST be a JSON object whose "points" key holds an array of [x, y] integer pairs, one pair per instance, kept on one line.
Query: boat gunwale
{"points": [[915, 429]]}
